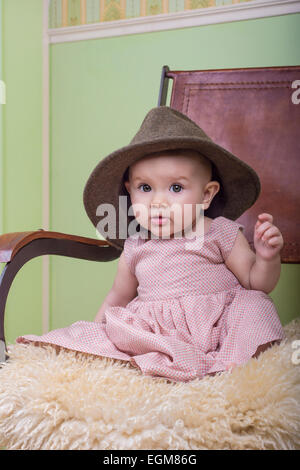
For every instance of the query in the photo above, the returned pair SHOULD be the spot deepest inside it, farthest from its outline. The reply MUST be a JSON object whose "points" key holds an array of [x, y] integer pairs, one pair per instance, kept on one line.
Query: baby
{"points": [[177, 178], [190, 298]]}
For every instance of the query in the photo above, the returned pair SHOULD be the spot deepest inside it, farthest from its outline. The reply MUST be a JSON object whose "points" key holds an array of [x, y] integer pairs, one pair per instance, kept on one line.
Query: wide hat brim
{"points": [[240, 184]]}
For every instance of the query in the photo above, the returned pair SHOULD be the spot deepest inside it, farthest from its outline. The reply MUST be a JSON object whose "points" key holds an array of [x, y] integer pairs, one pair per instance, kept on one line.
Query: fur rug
{"points": [[72, 400]]}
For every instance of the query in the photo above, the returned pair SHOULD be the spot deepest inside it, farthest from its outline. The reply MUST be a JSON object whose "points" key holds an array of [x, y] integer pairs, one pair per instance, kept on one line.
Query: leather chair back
{"points": [[255, 114]]}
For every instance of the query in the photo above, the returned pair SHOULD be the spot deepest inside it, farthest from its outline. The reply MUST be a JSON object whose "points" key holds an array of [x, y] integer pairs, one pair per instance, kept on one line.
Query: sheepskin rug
{"points": [[70, 400]]}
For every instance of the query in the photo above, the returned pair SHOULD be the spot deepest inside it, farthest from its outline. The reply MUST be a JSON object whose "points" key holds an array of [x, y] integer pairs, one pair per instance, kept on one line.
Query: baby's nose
{"points": [[156, 205]]}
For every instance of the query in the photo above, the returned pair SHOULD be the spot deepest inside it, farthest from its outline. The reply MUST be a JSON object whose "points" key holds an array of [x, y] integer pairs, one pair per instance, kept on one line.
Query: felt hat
{"points": [[165, 128]]}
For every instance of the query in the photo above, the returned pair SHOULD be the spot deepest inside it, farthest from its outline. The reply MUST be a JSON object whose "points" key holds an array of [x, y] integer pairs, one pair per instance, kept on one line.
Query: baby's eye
{"points": [[177, 188], [148, 188]]}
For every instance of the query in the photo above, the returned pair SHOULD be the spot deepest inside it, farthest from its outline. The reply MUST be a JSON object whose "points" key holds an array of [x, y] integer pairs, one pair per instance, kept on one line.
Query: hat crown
{"points": [[164, 129], [163, 122]]}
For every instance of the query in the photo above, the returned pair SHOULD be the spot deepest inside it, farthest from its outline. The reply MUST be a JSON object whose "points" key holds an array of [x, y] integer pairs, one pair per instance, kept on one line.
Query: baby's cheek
{"points": [[188, 215], [178, 219]]}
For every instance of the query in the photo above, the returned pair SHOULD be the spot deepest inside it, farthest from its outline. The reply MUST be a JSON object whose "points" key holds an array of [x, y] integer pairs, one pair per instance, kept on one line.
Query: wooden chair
{"points": [[253, 112]]}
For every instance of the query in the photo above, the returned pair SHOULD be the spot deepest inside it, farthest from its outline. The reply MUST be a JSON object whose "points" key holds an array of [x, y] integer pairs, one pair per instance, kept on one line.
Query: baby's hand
{"points": [[268, 241]]}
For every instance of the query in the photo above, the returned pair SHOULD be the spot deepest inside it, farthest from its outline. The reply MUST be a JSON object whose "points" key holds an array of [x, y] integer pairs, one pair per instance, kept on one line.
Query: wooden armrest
{"points": [[18, 248], [11, 243]]}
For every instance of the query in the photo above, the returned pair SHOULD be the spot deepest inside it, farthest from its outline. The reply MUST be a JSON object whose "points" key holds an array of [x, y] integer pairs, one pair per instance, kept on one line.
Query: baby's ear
{"points": [[127, 185]]}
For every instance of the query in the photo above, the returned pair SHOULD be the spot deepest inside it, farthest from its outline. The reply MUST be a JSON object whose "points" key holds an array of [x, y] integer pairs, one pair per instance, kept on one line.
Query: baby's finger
{"points": [[274, 241], [265, 217], [269, 232], [262, 228]]}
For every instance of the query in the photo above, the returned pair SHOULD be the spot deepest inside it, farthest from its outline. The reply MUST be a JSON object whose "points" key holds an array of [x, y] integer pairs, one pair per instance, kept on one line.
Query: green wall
{"points": [[100, 90], [22, 152]]}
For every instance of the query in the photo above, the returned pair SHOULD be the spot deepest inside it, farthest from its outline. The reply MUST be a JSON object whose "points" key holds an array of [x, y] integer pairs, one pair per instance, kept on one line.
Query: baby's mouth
{"points": [[159, 220]]}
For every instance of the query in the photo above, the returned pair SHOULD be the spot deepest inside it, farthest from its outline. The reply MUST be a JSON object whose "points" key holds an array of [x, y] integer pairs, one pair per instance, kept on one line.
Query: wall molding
{"points": [[45, 168], [186, 19]]}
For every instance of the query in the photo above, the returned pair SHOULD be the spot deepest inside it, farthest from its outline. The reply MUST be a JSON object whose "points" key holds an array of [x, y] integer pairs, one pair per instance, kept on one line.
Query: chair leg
{"points": [[8, 275], [11, 269], [3, 297], [6, 279]]}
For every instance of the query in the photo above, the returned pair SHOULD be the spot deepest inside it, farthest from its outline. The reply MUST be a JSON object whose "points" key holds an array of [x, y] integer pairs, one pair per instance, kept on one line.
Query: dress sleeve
{"points": [[227, 233], [130, 245]]}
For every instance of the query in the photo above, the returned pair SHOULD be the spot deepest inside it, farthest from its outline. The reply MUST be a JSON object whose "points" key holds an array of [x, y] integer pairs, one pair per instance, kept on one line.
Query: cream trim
{"points": [[2, 104], [212, 15]]}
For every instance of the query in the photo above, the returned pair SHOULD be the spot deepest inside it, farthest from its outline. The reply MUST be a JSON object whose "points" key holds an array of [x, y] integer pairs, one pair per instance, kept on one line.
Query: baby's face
{"points": [[164, 189]]}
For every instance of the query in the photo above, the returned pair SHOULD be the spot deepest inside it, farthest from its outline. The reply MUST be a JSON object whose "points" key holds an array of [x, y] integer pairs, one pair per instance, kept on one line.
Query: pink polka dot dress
{"points": [[191, 316]]}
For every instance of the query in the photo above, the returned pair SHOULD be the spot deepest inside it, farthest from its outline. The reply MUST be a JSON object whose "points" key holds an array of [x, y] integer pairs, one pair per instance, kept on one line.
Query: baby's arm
{"points": [[241, 259], [260, 270], [123, 290]]}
